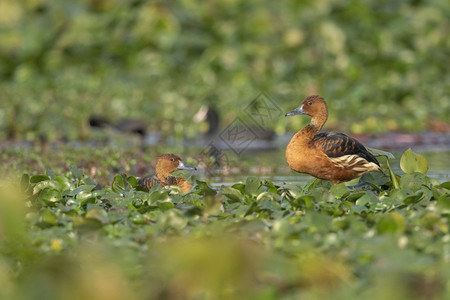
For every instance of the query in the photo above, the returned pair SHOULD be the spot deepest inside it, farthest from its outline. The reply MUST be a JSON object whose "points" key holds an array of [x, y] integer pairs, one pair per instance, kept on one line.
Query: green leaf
{"points": [[98, 214], [46, 184], [393, 176], [89, 181], [358, 209], [378, 152], [50, 195], [76, 172], [391, 223], [445, 185], [205, 189], [132, 181], [414, 182], [272, 188], [80, 189], [339, 190], [233, 194], [413, 199], [305, 201], [240, 187], [158, 196], [411, 162], [251, 185], [120, 184], [64, 182], [25, 182], [38, 178], [47, 217]]}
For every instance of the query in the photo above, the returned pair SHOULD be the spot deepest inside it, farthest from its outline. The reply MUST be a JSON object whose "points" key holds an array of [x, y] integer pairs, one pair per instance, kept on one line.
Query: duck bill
{"points": [[298, 111], [183, 166]]}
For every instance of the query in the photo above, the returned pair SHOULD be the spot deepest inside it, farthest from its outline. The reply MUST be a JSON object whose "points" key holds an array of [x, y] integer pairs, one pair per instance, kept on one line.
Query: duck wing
{"points": [[148, 181], [343, 150]]}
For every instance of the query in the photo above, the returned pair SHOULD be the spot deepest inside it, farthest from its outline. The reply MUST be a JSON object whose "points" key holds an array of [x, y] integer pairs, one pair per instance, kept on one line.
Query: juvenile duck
{"points": [[326, 155], [165, 165]]}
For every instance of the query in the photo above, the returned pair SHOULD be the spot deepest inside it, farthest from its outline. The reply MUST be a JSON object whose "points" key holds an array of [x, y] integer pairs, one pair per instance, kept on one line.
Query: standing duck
{"points": [[326, 155], [165, 165]]}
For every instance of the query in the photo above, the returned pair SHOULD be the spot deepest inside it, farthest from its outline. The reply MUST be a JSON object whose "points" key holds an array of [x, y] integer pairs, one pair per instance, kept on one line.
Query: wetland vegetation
{"points": [[74, 224]]}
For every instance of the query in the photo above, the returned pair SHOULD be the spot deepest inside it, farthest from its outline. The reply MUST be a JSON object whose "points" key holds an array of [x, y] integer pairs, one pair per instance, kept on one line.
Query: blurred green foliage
{"points": [[382, 65], [64, 237]]}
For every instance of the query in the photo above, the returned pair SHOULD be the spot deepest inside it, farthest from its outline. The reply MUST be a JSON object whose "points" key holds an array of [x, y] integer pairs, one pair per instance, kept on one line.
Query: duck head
{"points": [[313, 106], [168, 163]]}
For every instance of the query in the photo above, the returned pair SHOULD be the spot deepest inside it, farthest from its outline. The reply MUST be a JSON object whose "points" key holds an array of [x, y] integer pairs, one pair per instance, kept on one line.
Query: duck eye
{"points": [[309, 103], [172, 159]]}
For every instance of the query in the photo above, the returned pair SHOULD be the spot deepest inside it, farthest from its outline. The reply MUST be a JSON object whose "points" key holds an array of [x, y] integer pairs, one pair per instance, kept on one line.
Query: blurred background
{"points": [[68, 68], [382, 65]]}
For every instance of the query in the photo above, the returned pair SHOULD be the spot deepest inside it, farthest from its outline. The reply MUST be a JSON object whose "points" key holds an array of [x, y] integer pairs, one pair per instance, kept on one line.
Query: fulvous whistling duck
{"points": [[326, 155], [165, 165]]}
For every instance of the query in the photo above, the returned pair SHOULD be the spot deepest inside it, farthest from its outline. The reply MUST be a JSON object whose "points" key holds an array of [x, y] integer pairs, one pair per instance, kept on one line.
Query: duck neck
{"points": [[314, 126]]}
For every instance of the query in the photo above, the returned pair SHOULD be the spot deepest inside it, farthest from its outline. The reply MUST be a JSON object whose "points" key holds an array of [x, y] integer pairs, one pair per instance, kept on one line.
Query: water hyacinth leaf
{"points": [[411, 162], [50, 195], [158, 196], [46, 184], [251, 209], [272, 188], [413, 199], [341, 223], [24, 182], [375, 179], [251, 185], [64, 182], [378, 152], [391, 223], [82, 188], [89, 181], [165, 205], [172, 219], [205, 189], [233, 194], [47, 217], [444, 203], [240, 187], [358, 209], [445, 185], [132, 181], [317, 221], [98, 214], [76, 172], [212, 205], [339, 190], [38, 178], [305, 201], [120, 184], [368, 197], [355, 196], [414, 181], [268, 203], [86, 224]]}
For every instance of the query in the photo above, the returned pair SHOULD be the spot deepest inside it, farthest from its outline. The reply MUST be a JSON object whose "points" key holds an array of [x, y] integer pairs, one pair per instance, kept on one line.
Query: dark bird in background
{"points": [[123, 125]]}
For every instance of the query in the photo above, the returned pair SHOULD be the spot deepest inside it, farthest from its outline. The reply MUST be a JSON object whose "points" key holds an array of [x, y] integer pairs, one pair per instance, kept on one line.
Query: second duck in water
{"points": [[326, 155], [165, 165]]}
